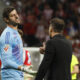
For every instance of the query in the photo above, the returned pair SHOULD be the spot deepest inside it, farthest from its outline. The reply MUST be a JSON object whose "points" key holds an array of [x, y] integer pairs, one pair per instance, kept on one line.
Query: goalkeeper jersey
{"points": [[11, 54]]}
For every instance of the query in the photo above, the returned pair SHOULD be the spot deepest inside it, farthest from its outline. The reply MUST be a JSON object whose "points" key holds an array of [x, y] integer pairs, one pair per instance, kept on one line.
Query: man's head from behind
{"points": [[11, 16], [56, 26]]}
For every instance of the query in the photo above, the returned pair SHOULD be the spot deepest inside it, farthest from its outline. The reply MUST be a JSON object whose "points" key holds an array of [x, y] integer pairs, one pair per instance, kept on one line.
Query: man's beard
{"points": [[13, 23]]}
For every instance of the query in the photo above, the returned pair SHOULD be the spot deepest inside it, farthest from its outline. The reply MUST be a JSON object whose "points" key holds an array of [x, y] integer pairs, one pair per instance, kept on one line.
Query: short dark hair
{"points": [[57, 24], [7, 11]]}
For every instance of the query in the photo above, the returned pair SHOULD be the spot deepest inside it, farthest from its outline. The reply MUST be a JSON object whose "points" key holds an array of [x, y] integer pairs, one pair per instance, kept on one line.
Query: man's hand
{"points": [[27, 69], [42, 49]]}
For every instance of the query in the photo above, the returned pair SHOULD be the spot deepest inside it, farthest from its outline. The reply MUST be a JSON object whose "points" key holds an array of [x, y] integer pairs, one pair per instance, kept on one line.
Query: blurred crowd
{"points": [[36, 14]]}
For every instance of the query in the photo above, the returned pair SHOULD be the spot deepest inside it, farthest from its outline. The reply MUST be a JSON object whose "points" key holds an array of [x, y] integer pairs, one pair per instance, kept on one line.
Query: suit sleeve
{"points": [[7, 58], [47, 60]]}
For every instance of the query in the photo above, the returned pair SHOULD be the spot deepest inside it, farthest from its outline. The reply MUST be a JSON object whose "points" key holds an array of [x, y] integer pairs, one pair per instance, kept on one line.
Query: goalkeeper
{"points": [[11, 48]]}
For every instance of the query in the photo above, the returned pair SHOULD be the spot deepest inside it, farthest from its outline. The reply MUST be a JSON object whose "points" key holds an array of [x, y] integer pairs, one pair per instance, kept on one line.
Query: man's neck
{"points": [[53, 34], [15, 28]]}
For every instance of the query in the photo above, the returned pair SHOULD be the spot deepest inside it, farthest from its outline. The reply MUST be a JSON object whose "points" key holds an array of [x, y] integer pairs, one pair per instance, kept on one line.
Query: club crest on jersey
{"points": [[6, 48]]}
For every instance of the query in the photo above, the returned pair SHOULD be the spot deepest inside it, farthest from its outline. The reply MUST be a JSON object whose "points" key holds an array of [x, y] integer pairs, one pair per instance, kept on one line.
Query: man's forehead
{"points": [[13, 12]]}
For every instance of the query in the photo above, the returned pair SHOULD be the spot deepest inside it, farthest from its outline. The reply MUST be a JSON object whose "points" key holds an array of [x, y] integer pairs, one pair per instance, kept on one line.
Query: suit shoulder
{"points": [[51, 41]]}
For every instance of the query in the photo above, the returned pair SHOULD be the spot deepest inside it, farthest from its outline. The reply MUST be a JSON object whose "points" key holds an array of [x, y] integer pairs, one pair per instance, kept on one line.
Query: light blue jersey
{"points": [[11, 53]]}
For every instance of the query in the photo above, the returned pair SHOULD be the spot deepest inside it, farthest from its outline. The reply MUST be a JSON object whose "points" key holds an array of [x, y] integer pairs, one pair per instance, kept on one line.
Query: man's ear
{"points": [[6, 20], [52, 29]]}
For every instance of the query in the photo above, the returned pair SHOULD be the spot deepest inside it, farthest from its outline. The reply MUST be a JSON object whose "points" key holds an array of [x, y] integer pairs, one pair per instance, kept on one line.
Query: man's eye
{"points": [[12, 15]]}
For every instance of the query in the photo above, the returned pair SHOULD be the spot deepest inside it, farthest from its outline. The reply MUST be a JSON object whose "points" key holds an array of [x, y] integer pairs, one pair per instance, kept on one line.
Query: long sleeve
{"points": [[48, 58]]}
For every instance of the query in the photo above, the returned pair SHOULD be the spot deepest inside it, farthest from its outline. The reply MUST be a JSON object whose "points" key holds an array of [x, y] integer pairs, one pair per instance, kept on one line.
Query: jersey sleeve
{"points": [[7, 58]]}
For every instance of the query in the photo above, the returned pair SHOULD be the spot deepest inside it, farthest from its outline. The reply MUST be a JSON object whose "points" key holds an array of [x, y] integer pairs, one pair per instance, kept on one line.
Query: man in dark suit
{"points": [[58, 53]]}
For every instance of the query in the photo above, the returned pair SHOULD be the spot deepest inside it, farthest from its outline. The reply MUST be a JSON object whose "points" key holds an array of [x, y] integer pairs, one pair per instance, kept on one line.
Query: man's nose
{"points": [[16, 16]]}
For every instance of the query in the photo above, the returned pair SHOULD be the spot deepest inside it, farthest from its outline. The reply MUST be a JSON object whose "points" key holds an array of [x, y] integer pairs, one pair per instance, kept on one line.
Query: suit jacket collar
{"points": [[58, 36]]}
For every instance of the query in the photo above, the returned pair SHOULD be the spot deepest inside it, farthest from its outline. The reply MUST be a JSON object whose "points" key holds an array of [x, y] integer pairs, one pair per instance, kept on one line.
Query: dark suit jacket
{"points": [[57, 59]]}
